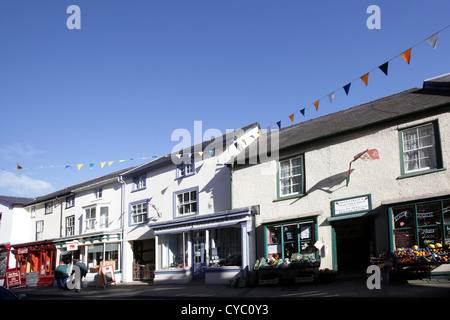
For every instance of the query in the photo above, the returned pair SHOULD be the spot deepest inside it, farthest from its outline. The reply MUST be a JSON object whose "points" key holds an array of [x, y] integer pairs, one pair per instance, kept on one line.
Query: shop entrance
{"points": [[353, 245], [199, 254], [144, 260]]}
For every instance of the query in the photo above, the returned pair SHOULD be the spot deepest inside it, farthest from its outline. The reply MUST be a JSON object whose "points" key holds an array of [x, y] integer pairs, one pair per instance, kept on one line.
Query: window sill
{"points": [[420, 173], [294, 196], [136, 190], [185, 176], [186, 215]]}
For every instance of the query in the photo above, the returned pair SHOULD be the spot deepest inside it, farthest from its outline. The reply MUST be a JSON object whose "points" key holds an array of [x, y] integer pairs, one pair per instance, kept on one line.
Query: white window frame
{"points": [[139, 182], [70, 226], [416, 148], [185, 206], [291, 177], [104, 217], [39, 230], [48, 207], [138, 212], [90, 219]]}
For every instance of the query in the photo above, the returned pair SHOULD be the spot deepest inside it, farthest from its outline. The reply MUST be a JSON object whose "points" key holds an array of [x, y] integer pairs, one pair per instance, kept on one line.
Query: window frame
{"points": [[90, 219], [416, 227], [437, 151], [278, 177], [48, 207], [39, 231], [140, 202], [182, 168], [176, 204], [70, 225], [299, 241], [139, 182]]}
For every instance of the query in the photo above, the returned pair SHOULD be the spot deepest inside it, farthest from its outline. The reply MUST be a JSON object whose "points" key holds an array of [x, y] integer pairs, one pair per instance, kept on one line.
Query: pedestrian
{"points": [[83, 272], [61, 275]]}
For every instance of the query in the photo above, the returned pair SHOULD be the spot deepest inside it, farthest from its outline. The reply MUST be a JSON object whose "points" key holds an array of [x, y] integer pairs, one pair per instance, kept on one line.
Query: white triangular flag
{"points": [[331, 96], [433, 40]]}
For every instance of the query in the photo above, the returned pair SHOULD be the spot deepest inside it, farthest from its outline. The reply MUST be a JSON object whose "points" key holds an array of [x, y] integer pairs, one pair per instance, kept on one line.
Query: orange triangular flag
{"points": [[292, 118], [407, 55], [316, 105], [365, 78], [260, 133], [19, 167]]}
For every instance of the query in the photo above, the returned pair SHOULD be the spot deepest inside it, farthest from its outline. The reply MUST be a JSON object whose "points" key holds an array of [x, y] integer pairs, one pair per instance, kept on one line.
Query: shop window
{"points": [[225, 245], [173, 250], [421, 224], [285, 239], [290, 177], [103, 254]]}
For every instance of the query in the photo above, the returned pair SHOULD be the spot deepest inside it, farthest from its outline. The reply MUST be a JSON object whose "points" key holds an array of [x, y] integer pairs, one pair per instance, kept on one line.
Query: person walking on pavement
{"points": [[61, 275], [83, 272]]}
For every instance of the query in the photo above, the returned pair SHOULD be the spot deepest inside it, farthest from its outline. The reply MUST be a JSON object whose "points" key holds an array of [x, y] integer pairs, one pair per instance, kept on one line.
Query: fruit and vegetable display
{"points": [[297, 261], [433, 253]]}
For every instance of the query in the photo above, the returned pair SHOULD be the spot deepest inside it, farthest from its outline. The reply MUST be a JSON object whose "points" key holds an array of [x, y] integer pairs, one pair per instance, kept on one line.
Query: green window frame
{"points": [[420, 150], [282, 239], [291, 177], [419, 223]]}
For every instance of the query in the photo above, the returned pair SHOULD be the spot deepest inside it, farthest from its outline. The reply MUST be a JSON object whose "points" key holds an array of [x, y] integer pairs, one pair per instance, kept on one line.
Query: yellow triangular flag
{"points": [[102, 164], [316, 105], [365, 78], [19, 167], [201, 153], [110, 163], [260, 133], [292, 118], [79, 166], [407, 55]]}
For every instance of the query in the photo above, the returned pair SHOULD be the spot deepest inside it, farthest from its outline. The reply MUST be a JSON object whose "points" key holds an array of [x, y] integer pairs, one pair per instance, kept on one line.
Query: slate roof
{"points": [[70, 190], [407, 103], [10, 201]]}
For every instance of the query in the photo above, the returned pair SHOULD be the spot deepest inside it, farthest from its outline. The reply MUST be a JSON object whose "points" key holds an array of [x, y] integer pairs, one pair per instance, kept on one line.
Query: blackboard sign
{"points": [[32, 278]]}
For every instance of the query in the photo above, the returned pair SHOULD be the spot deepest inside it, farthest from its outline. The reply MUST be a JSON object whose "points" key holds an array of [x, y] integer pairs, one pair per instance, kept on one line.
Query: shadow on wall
{"points": [[330, 184]]}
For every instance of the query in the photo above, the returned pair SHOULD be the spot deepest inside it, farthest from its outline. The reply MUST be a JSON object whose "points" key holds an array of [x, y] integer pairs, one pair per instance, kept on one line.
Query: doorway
{"points": [[353, 245], [144, 260], [199, 244]]}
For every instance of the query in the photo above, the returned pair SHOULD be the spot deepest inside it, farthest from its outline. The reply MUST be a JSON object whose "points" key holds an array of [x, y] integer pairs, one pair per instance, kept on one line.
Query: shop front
{"points": [[93, 250], [4, 261], [35, 262], [214, 247], [420, 237]]}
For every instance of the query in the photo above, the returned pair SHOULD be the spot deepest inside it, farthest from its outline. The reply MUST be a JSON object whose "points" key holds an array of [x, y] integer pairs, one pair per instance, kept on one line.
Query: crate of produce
{"points": [[441, 255], [404, 257], [422, 255]]}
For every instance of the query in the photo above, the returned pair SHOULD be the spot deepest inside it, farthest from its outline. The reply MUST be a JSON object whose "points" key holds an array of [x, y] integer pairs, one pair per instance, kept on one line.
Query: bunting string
{"points": [[406, 55], [241, 143]]}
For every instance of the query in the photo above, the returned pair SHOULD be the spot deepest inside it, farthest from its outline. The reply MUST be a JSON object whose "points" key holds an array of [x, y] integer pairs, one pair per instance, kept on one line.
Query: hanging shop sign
{"points": [[351, 205]]}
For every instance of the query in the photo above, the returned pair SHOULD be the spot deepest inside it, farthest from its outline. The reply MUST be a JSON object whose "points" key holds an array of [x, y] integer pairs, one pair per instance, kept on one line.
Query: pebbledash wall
{"points": [[320, 164]]}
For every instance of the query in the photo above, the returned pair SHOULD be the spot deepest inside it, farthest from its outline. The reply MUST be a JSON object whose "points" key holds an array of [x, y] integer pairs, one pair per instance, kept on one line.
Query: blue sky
{"points": [[137, 70]]}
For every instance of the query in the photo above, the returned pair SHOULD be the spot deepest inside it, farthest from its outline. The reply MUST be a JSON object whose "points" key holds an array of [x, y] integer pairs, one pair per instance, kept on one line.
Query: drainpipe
{"points": [[122, 224], [231, 185]]}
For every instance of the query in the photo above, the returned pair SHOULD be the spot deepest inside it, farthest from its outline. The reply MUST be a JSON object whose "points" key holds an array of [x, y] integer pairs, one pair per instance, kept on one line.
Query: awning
{"points": [[352, 216]]}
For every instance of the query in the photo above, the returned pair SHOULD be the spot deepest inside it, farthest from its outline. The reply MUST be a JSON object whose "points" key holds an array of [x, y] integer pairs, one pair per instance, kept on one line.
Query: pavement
{"points": [[339, 289]]}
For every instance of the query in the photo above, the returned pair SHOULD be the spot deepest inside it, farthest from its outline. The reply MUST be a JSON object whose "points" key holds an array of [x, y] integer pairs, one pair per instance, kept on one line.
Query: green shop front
{"points": [[420, 237], [95, 250]]}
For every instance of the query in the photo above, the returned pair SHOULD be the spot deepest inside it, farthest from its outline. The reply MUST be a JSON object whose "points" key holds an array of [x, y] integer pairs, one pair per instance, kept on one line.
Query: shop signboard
{"points": [[351, 205], [13, 279]]}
